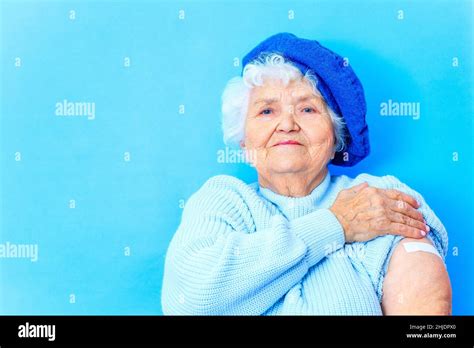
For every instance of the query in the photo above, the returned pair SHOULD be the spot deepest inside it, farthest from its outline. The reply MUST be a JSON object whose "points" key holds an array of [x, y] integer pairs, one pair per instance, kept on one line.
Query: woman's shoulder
{"points": [[224, 191], [225, 196], [227, 184], [383, 181]]}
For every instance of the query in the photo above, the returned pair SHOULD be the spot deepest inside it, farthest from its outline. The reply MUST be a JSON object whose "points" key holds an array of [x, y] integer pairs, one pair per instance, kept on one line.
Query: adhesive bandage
{"points": [[411, 247]]}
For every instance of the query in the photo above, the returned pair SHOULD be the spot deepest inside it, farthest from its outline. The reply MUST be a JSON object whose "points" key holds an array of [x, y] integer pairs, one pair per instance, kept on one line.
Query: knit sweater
{"points": [[241, 249]]}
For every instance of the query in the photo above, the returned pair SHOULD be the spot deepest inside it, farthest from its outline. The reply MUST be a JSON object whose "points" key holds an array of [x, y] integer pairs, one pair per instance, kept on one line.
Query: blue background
{"points": [[138, 203]]}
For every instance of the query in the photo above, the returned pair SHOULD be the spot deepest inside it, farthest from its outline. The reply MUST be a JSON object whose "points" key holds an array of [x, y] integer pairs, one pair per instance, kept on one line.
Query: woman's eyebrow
{"points": [[306, 98], [266, 100]]}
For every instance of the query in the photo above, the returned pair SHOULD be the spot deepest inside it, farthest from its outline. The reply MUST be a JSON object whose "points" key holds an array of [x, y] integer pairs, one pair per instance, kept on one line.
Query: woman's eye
{"points": [[266, 112], [308, 110]]}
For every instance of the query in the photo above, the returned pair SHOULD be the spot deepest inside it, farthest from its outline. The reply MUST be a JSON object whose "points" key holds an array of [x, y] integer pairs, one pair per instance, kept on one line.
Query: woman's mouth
{"points": [[287, 142]]}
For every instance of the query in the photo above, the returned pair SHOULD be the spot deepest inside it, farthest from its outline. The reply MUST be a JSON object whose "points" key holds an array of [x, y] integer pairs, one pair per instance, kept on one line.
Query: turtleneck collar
{"points": [[293, 206]]}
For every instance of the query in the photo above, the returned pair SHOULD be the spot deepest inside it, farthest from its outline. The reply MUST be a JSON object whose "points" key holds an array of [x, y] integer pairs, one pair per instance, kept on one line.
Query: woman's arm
{"points": [[416, 283]]}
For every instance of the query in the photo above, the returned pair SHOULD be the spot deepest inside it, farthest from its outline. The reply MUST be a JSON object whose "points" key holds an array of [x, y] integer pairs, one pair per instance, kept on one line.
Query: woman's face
{"points": [[288, 129]]}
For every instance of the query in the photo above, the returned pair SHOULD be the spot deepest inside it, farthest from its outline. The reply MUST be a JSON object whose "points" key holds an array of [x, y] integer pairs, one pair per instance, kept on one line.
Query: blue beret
{"points": [[338, 84]]}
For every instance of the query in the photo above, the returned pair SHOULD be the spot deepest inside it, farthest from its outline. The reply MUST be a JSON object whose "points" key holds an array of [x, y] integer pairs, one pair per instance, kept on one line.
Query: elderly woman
{"points": [[300, 240]]}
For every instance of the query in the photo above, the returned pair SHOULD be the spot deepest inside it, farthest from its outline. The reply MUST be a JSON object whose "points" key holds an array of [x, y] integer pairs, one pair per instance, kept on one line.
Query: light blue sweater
{"points": [[244, 250]]}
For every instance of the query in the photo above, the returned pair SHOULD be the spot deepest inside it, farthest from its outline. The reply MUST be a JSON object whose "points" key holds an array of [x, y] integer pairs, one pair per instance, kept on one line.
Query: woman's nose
{"points": [[287, 120]]}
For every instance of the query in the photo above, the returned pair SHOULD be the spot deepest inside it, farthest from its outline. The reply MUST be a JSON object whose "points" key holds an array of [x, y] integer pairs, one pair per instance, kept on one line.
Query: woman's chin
{"points": [[287, 167]]}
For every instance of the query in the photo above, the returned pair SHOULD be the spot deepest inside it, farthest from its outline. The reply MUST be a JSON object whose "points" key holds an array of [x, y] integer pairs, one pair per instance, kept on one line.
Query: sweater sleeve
{"points": [[216, 266]]}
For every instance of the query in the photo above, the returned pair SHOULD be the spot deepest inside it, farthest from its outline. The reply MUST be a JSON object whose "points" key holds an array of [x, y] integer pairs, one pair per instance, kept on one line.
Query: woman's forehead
{"points": [[272, 91]]}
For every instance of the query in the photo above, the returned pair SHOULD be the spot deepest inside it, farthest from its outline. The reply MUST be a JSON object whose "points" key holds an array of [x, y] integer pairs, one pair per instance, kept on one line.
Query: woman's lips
{"points": [[287, 142]]}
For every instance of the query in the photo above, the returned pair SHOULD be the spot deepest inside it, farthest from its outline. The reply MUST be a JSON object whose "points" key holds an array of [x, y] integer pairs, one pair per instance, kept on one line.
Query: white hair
{"points": [[235, 98]]}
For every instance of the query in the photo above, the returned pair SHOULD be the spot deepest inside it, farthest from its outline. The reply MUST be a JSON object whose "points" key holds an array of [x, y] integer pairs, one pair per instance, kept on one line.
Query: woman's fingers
{"points": [[405, 230], [404, 208], [400, 196], [404, 219]]}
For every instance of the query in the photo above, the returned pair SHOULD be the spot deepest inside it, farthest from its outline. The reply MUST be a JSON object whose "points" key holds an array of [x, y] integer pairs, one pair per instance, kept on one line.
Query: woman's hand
{"points": [[368, 212]]}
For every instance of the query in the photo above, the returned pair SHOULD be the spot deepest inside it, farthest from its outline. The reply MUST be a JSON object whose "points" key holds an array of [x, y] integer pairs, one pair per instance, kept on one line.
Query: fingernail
{"points": [[423, 233], [419, 203], [427, 228]]}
